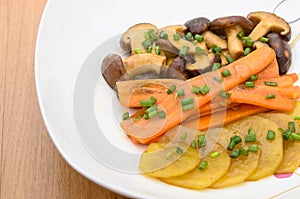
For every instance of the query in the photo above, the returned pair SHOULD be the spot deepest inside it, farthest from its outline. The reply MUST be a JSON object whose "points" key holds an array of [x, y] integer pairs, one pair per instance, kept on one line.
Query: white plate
{"points": [[80, 111]]}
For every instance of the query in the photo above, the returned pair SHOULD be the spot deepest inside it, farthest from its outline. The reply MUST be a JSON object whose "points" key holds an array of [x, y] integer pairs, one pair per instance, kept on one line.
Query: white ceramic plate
{"points": [[81, 112]]}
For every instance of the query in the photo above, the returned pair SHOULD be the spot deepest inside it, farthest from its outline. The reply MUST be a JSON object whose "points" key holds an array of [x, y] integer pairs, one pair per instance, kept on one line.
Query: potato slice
{"points": [[240, 167], [295, 111], [291, 155], [199, 179], [271, 151], [157, 161]]}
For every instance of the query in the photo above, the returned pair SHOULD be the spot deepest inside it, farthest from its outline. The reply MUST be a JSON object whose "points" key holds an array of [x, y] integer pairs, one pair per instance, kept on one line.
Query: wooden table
{"points": [[31, 167]]}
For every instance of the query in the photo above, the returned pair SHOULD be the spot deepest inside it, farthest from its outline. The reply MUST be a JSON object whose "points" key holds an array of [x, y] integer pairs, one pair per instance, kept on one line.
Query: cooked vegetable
{"points": [[197, 25]]}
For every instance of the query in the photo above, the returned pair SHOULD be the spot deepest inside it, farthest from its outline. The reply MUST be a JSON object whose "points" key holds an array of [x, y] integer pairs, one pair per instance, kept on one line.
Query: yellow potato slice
{"points": [[240, 167], [271, 150], [199, 179], [162, 160], [295, 111], [291, 149]]}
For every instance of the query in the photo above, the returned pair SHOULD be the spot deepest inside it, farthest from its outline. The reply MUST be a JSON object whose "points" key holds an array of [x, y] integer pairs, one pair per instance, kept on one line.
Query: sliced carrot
{"points": [[223, 117], [297, 92], [240, 71], [270, 71], [294, 76]]}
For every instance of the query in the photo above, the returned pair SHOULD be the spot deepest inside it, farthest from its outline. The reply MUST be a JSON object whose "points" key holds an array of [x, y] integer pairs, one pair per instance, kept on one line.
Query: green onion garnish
{"points": [[153, 99], [187, 107], [184, 51], [226, 73], [169, 153], [180, 93], [218, 79], [199, 38], [243, 151], [189, 36], [271, 83], [248, 41], [253, 78], [176, 37], [296, 136], [186, 101], [229, 59], [201, 140], [216, 49], [199, 51], [247, 51], [183, 136], [179, 150], [251, 137], [151, 108], [297, 117], [249, 84], [157, 50], [152, 35], [163, 35], [152, 114], [193, 144], [270, 96], [161, 114], [149, 50], [235, 154], [286, 134], [146, 103], [137, 51], [253, 148], [240, 35], [291, 126], [171, 89], [237, 139], [271, 135], [203, 165], [215, 154], [224, 94], [196, 89], [264, 39], [125, 116], [146, 43], [216, 66], [204, 89], [231, 145]]}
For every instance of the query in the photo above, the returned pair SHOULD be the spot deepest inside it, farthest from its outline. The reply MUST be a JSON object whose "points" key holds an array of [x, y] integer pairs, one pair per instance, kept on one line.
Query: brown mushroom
{"points": [[203, 63], [166, 46], [283, 52], [112, 69], [177, 69], [232, 25], [212, 39], [197, 25], [268, 22], [132, 39]]}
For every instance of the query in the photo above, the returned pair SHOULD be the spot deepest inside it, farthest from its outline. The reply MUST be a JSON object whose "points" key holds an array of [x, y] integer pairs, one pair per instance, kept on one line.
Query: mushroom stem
{"points": [[260, 30], [212, 39], [235, 45]]}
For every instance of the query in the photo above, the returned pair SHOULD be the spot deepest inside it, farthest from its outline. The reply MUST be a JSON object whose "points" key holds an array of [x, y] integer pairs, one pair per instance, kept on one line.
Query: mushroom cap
{"points": [[197, 25], [141, 28], [276, 23], [283, 52], [218, 25]]}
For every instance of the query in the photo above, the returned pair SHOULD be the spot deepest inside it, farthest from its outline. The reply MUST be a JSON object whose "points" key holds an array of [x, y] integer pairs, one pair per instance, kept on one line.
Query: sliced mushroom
{"points": [[258, 44], [212, 39], [283, 52], [177, 69], [144, 63], [112, 69], [232, 25], [197, 25], [132, 39], [224, 54], [268, 22], [166, 46], [177, 28], [203, 63]]}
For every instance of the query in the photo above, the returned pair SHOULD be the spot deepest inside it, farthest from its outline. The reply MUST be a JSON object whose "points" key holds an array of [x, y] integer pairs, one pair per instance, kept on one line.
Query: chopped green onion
{"points": [[137, 51], [296, 136], [249, 84], [271, 135], [146, 103], [201, 140], [253, 78], [240, 35], [226, 73], [291, 126], [235, 154], [183, 136], [152, 35], [184, 51], [189, 36], [216, 66], [248, 41], [193, 144], [199, 51], [179, 150], [270, 96], [157, 50], [251, 137], [146, 43], [203, 165], [229, 59], [187, 101], [169, 153], [199, 38], [216, 49], [271, 83], [215, 154], [247, 51], [151, 108], [224, 94], [218, 79], [153, 99], [231, 145], [161, 114], [253, 148], [187, 107], [171, 89], [147, 36], [163, 35], [264, 39], [237, 139], [196, 89], [152, 114], [146, 117], [125, 116], [149, 50], [297, 117], [176, 37], [180, 93], [243, 151], [204, 89], [286, 134]]}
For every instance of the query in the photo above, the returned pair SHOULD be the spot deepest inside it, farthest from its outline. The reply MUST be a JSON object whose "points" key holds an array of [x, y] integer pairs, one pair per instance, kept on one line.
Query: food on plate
{"points": [[213, 100]]}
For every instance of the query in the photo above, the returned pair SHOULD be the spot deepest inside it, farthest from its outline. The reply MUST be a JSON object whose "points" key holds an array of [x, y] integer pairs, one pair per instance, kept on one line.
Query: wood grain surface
{"points": [[31, 167]]}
